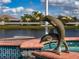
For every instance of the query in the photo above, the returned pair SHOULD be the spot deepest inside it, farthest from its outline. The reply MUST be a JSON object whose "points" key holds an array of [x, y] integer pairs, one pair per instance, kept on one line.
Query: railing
{"points": [[21, 23], [18, 23], [73, 23]]}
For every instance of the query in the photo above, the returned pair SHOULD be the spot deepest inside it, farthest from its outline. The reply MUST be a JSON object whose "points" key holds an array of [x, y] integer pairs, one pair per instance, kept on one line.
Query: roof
{"points": [[10, 17], [5, 15]]}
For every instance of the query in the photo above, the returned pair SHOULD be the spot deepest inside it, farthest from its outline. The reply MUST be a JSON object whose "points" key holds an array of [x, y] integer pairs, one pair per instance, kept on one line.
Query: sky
{"points": [[18, 8]]}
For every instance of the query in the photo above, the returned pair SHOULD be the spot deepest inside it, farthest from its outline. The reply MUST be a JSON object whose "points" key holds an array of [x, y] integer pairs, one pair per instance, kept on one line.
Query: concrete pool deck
{"points": [[27, 42], [51, 55], [21, 42]]}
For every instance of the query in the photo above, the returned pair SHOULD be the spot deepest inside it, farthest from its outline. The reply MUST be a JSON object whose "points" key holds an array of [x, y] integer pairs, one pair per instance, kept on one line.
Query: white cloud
{"points": [[9, 10], [29, 10], [13, 10], [69, 7], [5, 1], [65, 13], [76, 3], [5, 10], [63, 3], [74, 12], [57, 2], [17, 11]]}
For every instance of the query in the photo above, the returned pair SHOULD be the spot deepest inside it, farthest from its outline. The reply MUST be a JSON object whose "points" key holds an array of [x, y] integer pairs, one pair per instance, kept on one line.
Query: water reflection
{"points": [[72, 33], [36, 33]]}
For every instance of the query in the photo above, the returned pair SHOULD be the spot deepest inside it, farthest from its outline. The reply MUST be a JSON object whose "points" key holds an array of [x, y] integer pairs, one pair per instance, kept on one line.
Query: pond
{"points": [[35, 33]]}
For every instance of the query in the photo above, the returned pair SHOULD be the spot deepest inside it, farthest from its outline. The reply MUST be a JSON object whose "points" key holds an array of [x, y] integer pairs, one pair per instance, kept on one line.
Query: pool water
{"points": [[73, 46], [8, 52]]}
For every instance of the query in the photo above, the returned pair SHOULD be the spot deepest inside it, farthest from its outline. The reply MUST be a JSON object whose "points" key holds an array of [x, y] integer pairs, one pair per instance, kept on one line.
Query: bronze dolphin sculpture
{"points": [[60, 29]]}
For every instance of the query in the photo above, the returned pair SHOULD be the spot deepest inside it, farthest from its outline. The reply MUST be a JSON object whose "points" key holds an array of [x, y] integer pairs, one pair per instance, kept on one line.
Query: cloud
{"points": [[74, 12], [5, 10], [76, 3], [5, 1], [29, 10], [17, 11], [63, 3], [57, 2], [65, 13], [69, 7]]}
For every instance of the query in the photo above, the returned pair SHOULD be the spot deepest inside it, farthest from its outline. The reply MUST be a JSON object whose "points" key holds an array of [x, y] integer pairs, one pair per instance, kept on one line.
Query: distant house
{"points": [[9, 17]]}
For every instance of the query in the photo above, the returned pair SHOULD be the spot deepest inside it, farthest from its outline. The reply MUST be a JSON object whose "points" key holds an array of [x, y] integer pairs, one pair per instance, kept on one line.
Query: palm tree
{"points": [[65, 19], [1, 19], [74, 19], [6, 19], [37, 15], [22, 18], [26, 18]]}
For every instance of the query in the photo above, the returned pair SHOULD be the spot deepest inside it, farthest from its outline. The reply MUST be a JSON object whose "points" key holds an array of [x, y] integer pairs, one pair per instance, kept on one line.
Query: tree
{"points": [[75, 19], [37, 15], [6, 19], [1, 19], [34, 17], [65, 19], [26, 18]]}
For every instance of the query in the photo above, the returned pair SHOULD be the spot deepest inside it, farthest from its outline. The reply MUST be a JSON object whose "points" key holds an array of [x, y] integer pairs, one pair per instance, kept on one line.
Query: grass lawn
{"points": [[7, 27]]}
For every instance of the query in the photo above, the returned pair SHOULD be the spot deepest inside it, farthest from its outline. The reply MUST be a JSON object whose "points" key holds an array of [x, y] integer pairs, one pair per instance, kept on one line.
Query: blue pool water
{"points": [[73, 46], [9, 52]]}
